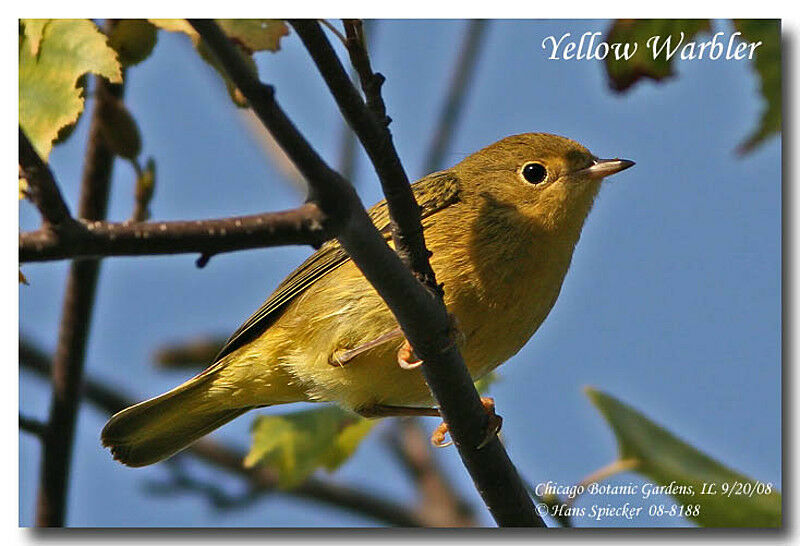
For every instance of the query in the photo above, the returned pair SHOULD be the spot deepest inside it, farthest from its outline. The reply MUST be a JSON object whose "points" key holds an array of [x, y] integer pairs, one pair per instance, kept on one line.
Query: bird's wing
{"points": [[433, 193]]}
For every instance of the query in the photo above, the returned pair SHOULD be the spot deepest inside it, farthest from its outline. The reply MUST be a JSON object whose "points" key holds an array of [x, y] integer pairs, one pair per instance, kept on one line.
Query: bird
{"points": [[502, 226]]}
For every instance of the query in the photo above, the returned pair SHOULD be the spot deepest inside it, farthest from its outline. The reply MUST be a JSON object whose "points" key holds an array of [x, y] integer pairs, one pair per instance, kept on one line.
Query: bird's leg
{"points": [[342, 358], [382, 410], [438, 436], [408, 360]]}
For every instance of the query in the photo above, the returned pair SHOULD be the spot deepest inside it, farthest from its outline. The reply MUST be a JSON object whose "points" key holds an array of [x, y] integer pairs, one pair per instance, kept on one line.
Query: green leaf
{"points": [[53, 56], [667, 460], [250, 35], [296, 444], [767, 64], [133, 40], [624, 73]]}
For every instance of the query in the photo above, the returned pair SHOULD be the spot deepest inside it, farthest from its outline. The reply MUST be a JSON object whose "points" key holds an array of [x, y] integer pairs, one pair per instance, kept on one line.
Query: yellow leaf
{"points": [[49, 96]]}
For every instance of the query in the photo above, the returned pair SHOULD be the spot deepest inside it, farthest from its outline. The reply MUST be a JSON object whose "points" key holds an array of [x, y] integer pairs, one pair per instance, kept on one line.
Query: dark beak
{"points": [[606, 167]]}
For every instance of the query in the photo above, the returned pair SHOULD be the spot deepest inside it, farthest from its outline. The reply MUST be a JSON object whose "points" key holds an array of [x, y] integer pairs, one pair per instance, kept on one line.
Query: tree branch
{"points": [[262, 478], [306, 224], [76, 318], [42, 188], [372, 130], [462, 75], [371, 83], [421, 315]]}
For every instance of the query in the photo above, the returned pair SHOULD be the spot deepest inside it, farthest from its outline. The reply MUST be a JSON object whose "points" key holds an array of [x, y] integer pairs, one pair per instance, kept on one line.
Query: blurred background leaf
{"points": [[296, 444], [667, 460], [623, 74], [250, 35]]}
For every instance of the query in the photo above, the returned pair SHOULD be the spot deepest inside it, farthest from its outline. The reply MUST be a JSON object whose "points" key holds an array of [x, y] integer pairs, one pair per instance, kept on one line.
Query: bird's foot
{"points": [[493, 427], [408, 360]]}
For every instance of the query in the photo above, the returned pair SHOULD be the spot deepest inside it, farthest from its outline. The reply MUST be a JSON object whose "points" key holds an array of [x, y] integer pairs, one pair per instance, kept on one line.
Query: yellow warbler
{"points": [[502, 226]]}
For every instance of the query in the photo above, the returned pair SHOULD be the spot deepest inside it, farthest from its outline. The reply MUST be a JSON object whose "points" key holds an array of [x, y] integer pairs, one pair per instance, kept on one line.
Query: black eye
{"points": [[535, 173]]}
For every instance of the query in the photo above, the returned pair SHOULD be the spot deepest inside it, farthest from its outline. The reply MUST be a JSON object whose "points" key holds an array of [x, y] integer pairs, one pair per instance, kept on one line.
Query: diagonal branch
{"points": [[306, 224], [422, 316], [42, 188], [372, 130]]}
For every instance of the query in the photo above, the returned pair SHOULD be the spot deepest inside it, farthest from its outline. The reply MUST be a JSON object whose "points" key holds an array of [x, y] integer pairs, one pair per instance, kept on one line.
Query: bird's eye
{"points": [[535, 173]]}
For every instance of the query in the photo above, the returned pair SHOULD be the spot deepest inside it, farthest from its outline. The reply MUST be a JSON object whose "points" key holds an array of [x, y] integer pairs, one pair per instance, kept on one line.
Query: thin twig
{"points": [[366, 122], [341, 496], [42, 188], [303, 225], [33, 426], [371, 82], [422, 317], [335, 31], [454, 101], [75, 321]]}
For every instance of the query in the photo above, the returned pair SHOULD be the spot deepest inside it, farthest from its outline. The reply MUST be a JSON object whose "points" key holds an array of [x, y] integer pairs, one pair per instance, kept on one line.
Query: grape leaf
{"points": [[767, 65], [667, 460], [296, 444], [622, 74], [53, 56]]}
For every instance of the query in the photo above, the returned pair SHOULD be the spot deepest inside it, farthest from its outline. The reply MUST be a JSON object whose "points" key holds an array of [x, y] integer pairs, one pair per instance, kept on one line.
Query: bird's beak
{"points": [[605, 167]]}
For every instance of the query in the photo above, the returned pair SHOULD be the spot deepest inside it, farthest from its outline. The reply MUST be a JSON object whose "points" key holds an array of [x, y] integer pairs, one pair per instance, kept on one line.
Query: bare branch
{"points": [[421, 315], [42, 187], [462, 76], [75, 321], [192, 353], [33, 426], [306, 224]]}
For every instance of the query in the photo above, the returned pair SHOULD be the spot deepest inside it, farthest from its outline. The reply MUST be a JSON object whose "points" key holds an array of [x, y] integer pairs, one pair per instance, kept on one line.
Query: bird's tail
{"points": [[160, 427]]}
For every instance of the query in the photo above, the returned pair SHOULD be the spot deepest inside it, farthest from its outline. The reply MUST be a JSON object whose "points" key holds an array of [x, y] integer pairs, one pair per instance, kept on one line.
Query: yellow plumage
{"points": [[502, 241]]}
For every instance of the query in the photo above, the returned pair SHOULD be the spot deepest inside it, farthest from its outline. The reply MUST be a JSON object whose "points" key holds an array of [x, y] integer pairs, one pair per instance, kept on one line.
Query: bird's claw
{"points": [[492, 429], [408, 360]]}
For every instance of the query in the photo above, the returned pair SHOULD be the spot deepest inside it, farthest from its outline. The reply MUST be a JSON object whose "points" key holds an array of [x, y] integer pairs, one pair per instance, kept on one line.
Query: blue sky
{"points": [[672, 304]]}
